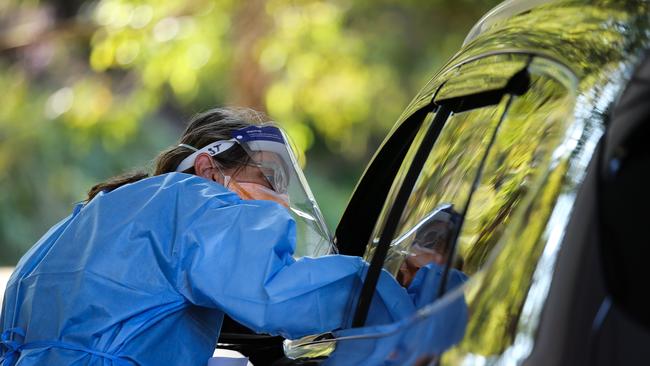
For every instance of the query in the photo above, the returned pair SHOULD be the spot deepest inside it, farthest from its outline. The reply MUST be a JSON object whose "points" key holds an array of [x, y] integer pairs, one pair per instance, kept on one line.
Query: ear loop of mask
{"points": [[264, 193], [230, 183]]}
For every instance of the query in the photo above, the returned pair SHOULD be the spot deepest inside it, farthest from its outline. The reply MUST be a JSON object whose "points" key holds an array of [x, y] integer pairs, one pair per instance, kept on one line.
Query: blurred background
{"points": [[91, 89]]}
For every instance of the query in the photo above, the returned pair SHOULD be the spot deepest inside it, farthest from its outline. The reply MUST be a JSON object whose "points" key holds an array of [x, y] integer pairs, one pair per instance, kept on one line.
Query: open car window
{"points": [[445, 179], [483, 79]]}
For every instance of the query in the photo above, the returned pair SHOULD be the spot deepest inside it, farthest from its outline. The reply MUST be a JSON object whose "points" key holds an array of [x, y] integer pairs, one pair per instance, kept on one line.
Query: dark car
{"points": [[523, 164]]}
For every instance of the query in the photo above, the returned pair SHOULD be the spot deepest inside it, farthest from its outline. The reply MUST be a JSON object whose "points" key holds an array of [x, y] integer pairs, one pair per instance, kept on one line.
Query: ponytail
{"points": [[116, 182]]}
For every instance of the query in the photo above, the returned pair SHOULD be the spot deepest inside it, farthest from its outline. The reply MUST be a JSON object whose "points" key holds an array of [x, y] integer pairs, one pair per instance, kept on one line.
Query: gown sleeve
{"points": [[425, 285], [239, 259]]}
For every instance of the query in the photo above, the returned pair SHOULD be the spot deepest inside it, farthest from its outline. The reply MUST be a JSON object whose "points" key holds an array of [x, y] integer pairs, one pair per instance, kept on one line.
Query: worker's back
{"points": [[104, 281]]}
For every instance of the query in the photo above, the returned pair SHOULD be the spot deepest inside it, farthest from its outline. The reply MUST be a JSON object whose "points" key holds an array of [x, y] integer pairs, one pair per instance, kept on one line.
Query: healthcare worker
{"points": [[143, 272]]}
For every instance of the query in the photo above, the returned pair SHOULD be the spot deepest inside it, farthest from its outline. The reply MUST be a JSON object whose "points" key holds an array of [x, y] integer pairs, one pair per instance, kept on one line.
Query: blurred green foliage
{"points": [[93, 89]]}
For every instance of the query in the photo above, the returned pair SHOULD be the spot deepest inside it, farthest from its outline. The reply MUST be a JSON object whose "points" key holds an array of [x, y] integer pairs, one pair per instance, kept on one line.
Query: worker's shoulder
{"points": [[191, 192], [176, 188], [177, 184]]}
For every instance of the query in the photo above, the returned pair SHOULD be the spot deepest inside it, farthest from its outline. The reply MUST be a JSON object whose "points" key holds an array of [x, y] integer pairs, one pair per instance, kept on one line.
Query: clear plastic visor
{"points": [[270, 152]]}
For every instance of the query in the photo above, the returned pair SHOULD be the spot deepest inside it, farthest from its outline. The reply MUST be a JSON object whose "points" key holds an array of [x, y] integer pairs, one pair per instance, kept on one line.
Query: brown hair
{"points": [[203, 128]]}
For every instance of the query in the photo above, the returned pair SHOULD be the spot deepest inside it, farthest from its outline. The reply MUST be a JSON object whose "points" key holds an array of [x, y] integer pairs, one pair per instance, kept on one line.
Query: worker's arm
{"points": [[425, 285], [239, 259]]}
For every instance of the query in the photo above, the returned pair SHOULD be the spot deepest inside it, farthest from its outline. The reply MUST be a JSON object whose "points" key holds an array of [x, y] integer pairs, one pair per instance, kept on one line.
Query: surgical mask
{"points": [[254, 191]]}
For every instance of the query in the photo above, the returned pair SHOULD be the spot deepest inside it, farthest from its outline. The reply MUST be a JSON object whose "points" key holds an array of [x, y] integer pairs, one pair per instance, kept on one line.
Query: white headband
{"points": [[211, 149]]}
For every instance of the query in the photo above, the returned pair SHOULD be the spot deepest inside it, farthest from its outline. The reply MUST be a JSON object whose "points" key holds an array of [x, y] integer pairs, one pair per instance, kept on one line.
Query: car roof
{"points": [[503, 11], [599, 41]]}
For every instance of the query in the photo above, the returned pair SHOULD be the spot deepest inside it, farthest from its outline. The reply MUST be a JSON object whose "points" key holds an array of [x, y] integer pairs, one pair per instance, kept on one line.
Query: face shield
{"points": [[271, 156]]}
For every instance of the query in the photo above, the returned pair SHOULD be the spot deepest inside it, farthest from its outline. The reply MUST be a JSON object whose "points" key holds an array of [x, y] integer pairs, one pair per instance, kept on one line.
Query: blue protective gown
{"points": [[143, 275]]}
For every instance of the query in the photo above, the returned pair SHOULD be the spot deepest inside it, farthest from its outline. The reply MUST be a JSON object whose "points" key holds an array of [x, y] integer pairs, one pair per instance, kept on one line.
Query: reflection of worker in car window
{"points": [[431, 244]]}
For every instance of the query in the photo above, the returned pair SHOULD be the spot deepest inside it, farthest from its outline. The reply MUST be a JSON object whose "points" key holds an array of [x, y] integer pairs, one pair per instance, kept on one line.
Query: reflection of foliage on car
{"points": [[520, 182], [593, 31], [496, 312], [519, 154]]}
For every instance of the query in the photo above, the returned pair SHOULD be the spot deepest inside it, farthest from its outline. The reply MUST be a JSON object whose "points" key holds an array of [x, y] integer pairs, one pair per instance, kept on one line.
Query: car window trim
{"points": [[351, 235], [377, 262]]}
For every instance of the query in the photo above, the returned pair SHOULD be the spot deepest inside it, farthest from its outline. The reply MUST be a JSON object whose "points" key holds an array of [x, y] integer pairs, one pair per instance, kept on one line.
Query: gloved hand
{"points": [[424, 286]]}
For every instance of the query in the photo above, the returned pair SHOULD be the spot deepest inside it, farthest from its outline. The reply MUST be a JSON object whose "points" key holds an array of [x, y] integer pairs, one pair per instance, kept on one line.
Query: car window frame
{"points": [[517, 84]]}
